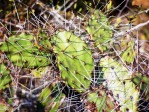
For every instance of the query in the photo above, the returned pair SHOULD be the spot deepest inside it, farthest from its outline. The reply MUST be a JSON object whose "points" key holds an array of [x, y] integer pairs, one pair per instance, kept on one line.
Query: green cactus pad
{"points": [[44, 41], [4, 107], [4, 77], [118, 80], [99, 29], [51, 103], [101, 100], [142, 82], [23, 51], [3, 69], [74, 60], [129, 54], [125, 46], [40, 72]]}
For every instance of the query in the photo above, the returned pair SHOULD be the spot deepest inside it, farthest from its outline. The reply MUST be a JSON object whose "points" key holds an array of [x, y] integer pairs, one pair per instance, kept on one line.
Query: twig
{"points": [[132, 29], [58, 18]]}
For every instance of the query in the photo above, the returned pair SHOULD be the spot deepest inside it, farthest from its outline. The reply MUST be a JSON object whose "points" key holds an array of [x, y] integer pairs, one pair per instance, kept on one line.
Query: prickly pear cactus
{"points": [[4, 76], [99, 101], [128, 55], [5, 81], [142, 82], [44, 43], [118, 80], [23, 50], [51, 97], [74, 60], [40, 72], [99, 29], [3, 69], [127, 49], [4, 107]]}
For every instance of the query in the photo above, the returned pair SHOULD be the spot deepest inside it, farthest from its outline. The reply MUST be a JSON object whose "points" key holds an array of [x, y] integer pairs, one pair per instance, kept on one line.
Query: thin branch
{"points": [[58, 18], [132, 29]]}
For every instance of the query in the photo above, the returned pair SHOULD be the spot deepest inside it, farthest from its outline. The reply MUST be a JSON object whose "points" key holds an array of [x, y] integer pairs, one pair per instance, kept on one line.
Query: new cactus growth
{"points": [[23, 50], [99, 29], [118, 80], [74, 60]]}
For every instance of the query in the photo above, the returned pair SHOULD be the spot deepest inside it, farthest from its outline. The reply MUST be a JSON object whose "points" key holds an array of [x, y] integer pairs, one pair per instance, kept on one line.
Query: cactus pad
{"points": [[118, 80], [24, 51], [4, 77], [101, 101], [99, 29], [74, 60], [46, 97], [142, 82], [4, 107], [129, 53]]}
